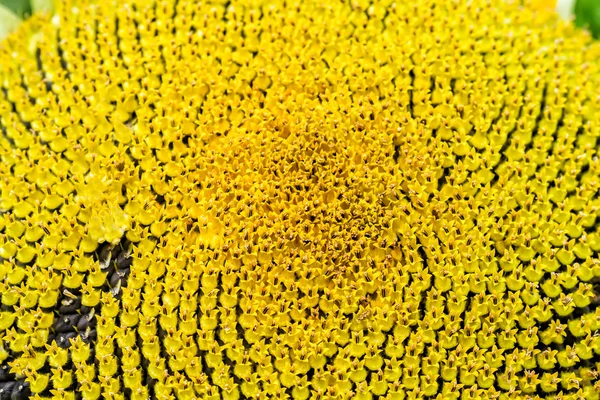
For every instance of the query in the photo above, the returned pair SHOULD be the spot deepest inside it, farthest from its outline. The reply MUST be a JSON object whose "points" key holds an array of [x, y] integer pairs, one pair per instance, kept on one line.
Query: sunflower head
{"points": [[299, 200]]}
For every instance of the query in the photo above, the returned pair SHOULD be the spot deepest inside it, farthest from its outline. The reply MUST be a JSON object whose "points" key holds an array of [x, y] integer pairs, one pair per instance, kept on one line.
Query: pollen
{"points": [[299, 199]]}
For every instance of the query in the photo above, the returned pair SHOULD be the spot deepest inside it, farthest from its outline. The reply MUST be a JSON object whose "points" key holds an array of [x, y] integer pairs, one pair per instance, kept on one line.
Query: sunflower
{"points": [[299, 199]]}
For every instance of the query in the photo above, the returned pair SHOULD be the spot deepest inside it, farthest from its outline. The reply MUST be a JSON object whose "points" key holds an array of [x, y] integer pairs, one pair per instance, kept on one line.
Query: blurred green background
{"points": [[13, 11], [24, 8], [587, 12], [20, 7]]}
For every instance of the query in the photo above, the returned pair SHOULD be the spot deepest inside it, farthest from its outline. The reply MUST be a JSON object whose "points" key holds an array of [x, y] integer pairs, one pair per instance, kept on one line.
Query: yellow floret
{"points": [[300, 199]]}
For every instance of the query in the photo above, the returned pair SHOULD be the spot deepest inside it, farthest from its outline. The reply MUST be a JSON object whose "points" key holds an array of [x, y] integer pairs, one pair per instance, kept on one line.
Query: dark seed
{"points": [[105, 250], [69, 306], [125, 243], [78, 395], [20, 391], [150, 382], [5, 375], [161, 333], [86, 321], [89, 337], [106, 267], [63, 339], [85, 310], [66, 323], [6, 390], [124, 260], [115, 251], [119, 275]]}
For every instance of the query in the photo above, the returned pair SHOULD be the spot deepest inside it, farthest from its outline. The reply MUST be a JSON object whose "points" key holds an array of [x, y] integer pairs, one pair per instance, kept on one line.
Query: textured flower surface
{"points": [[299, 199]]}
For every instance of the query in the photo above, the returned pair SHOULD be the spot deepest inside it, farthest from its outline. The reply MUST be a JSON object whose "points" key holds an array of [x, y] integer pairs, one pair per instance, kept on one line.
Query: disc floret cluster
{"points": [[278, 199]]}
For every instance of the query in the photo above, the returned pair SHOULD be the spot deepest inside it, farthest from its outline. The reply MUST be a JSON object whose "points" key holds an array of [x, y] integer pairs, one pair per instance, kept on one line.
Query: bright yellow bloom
{"points": [[542, 4], [299, 199]]}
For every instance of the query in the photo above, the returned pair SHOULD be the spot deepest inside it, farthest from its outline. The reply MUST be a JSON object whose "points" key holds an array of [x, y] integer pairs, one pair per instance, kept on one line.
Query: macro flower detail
{"points": [[293, 200]]}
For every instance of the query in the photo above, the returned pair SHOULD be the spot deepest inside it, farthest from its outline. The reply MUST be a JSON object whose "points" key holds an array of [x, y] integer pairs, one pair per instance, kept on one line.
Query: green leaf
{"points": [[8, 21], [42, 6]]}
